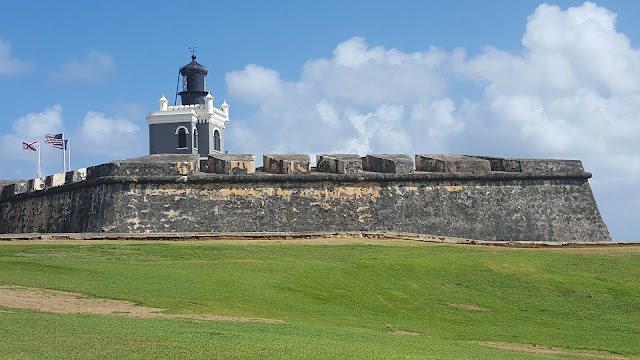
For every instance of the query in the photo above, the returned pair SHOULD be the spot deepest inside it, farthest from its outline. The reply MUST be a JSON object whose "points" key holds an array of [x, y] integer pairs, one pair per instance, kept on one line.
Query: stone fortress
{"points": [[189, 183]]}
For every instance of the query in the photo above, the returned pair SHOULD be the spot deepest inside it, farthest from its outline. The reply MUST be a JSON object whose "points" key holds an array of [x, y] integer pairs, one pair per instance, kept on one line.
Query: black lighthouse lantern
{"points": [[194, 82]]}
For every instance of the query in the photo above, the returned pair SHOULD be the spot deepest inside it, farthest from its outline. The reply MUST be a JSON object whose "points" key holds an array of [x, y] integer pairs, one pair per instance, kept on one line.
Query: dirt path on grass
{"points": [[19, 297], [541, 350]]}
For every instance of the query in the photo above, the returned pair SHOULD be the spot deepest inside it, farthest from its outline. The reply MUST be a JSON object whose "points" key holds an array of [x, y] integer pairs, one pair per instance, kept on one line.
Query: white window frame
{"points": [[186, 131], [194, 138], [214, 139]]}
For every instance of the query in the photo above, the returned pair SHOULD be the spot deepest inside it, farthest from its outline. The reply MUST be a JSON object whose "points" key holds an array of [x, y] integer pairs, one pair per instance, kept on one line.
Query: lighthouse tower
{"points": [[194, 127]]}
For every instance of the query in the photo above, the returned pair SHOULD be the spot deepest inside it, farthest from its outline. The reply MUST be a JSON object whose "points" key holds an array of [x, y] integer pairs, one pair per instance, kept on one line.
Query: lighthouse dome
{"points": [[193, 68]]}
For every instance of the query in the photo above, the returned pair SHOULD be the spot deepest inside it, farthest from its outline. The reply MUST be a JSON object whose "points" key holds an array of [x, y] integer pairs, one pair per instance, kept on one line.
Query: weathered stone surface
{"points": [[54, 180], [388, 163], [452, 164], [35, 184], [75, 176], [534, 165], [551, 166], [536, 204], [151, 165], [14, 187], [517, 208], [339, 163], [9, 182], [286, 163], [234, 164], [501, 164]]}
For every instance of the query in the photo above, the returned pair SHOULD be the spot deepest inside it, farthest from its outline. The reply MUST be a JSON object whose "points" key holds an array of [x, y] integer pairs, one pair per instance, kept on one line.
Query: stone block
{"points": [[551, 166], [151, 165], [54, 180], [15, 188], [501, 164], [286, 163], [233, 164], [75, 176], [458, 164], [388, 163], [534, 165], [36, 184], [339, 163]]}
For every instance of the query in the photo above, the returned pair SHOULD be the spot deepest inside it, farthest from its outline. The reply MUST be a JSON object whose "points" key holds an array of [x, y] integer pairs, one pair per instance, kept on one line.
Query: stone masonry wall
{"points": [[131, 196]]}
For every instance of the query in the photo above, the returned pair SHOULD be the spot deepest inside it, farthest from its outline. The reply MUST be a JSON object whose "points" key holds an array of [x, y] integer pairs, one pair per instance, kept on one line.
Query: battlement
{"points": [[477, 197], [183, 107], [296, 167]]}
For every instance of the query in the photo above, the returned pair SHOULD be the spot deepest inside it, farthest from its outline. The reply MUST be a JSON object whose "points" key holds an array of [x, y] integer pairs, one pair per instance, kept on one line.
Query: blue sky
{"points": [[504, 78]]}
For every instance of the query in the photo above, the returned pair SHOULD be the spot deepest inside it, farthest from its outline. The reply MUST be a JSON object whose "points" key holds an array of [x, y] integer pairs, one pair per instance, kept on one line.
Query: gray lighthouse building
{"points": [[194, 127]]}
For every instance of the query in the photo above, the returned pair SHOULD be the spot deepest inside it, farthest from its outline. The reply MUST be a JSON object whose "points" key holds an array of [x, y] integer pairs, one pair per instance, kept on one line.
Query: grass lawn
{"points": [[338, 298]]}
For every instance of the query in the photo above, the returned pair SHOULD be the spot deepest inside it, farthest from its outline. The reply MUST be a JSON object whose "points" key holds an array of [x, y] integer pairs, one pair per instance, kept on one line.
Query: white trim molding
{"points": [[186, 130]]}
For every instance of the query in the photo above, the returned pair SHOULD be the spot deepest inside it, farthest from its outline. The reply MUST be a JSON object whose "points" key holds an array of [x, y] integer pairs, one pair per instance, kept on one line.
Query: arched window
{"points": [[182, 132], [195, 138], [216, 140]]}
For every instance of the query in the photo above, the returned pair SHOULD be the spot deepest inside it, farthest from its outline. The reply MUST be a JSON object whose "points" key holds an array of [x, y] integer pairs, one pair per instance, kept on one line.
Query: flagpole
{"points": [[69, 155], [64, 155], [39, 168]]}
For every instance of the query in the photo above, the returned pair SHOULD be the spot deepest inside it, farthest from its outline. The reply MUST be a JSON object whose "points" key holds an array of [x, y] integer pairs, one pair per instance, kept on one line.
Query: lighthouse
{"points": [[195, 126]]}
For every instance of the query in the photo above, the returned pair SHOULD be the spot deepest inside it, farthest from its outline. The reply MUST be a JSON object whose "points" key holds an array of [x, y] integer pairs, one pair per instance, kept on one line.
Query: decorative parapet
{"points": [[184, 107], [199, 107]]}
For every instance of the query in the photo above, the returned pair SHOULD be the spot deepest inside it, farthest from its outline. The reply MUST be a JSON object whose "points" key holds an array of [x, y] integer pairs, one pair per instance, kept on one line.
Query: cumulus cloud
{"points": [[36, 124], [572, 92], [10, 65], [357, 101], [100, 138], [28, 128], [93, 66], [111, 137]]}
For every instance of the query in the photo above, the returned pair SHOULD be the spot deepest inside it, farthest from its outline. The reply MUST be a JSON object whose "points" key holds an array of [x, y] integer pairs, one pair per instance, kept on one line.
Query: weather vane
{"points": [[193, 50]]}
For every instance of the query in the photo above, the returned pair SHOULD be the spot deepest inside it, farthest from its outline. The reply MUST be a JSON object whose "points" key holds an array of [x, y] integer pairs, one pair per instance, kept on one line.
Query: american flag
{"points": [[56, 140]]}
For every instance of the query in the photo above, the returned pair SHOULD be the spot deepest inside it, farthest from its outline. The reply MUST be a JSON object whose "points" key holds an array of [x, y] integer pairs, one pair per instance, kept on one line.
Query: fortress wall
{"points": [[495, 205], [540, 210], [64, 209]]}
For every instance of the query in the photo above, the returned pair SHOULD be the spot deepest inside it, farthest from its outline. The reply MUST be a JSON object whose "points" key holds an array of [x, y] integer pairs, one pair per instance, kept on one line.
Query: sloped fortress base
{"points": [[481, 198]]}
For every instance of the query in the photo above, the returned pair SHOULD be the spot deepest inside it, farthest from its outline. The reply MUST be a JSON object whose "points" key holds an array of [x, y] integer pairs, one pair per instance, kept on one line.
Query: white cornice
{"points": [[165, 117]]}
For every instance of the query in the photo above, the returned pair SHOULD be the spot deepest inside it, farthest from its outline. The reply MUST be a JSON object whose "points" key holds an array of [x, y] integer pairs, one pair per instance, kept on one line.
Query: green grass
{"points": [[337, 301]]}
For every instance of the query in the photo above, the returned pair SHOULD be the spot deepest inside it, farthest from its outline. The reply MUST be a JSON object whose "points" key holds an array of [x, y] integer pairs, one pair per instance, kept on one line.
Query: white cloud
{"points": [[10, 65], [28, 128], [256, 84], [110, 137], [35, 125], [99, 139], [356, 101], [573, 92], [93, 66]]}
